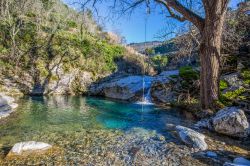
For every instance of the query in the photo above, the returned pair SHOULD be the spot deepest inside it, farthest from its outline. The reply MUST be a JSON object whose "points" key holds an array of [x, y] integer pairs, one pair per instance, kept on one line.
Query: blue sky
{"points": [[133, 27]]}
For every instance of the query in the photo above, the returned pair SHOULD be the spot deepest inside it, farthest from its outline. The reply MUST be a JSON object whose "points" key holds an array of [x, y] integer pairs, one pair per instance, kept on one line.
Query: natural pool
{"points": [[88, 130]]}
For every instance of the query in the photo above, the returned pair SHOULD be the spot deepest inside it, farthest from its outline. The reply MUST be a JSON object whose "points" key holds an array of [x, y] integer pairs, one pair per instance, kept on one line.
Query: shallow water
{"points": [[62, 120]]}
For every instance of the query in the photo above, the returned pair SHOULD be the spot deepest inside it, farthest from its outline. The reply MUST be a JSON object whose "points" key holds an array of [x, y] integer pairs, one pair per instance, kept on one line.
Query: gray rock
{"points": [[126, 88], [162, 88], [7, 105], [165, 76], [231, 164], [5, 100], [211, 154], [231, 121], [30, 146], [233, 80], [241, 161], [204, 123], [64, 84], [192, 138]]}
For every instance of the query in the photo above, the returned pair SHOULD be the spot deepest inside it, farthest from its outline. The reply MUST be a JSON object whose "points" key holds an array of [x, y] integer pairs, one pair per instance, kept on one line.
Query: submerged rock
{"points": [[229, 121], [7, 105], [211, 154], [241, 161], [192, 138], [28, 147]]}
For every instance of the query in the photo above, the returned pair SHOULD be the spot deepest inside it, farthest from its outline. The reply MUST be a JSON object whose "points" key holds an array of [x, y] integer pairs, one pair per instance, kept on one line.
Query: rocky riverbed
{"points": [[102, 132], [135, 147]]}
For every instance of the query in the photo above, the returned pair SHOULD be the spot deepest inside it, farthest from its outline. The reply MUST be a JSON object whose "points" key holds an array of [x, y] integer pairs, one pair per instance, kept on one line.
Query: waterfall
{"points": [[146, 96]]}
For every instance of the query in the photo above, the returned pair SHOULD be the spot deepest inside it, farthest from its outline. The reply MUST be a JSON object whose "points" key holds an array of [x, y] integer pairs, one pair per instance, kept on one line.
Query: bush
{"points": [[71, 24], [188, 73], [228, 98], [159, 61], [246, 76], [223, 85]]}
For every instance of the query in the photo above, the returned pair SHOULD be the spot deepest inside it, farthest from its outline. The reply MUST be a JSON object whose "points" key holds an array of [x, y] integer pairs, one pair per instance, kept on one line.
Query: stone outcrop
{"points": [[127, 88], [192, 138], [230, 121]]}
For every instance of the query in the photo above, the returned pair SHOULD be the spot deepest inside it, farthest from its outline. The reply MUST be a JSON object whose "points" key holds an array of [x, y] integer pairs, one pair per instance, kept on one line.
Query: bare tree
{"points": [[210, 26]]}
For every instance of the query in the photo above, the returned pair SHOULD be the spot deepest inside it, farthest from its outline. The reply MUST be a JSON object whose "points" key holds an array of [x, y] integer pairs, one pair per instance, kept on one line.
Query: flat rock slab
{"points": [[29, 147]]}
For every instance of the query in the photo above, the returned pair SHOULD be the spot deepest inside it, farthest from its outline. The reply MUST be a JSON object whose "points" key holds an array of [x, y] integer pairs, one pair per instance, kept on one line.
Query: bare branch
{"points": [[187, 14]]}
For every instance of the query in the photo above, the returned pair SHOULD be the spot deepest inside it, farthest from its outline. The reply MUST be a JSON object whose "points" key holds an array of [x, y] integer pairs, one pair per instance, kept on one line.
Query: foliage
{"points": [[49, 35], [165, 48], [246, 76], [71, 24], [187, 85], [149, 51], [229, 97], [188, 73], [159, 61], [223, 84]]}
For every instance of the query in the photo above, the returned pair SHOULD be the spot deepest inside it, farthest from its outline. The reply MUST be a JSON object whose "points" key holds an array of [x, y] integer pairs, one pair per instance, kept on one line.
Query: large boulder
{"points": [[230, 121], [192, 138], [22, 148], [7, 105], [126, 88]]}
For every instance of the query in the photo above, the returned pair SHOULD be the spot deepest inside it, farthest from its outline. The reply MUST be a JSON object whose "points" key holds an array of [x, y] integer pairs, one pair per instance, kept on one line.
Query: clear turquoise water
{"points": [[37, 117]]}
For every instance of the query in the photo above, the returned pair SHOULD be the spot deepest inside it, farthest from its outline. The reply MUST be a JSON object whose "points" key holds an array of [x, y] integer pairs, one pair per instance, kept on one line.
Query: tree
{"points": [[210, 26]]}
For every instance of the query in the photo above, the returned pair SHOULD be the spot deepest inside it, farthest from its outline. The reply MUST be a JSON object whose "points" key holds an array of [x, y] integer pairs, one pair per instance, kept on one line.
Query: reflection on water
{"points": [[58, 114]]}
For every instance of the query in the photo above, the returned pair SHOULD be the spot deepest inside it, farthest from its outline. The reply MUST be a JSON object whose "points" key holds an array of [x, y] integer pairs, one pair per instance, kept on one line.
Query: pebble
{"points": [[241, 161], [211, 154]]}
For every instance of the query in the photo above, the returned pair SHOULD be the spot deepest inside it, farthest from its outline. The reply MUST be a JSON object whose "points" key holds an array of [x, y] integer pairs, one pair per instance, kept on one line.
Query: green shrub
{"points": [[246, 76], [30, 14], [230, 96], [3, 50], [149, 51], [71, 24], [188, 73], [223, 85], [174, 76], [159, 61]]}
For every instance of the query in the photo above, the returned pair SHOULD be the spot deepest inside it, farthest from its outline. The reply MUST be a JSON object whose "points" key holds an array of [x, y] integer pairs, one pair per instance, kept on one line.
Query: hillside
{"points": [[45, 45], [140, 47]]}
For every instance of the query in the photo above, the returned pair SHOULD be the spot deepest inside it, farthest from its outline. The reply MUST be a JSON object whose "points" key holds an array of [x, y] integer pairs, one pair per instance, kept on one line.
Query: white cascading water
{"points": [[146, 97]]}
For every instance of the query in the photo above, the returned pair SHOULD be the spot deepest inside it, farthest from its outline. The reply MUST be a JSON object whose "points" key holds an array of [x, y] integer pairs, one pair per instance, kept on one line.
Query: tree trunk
{"points": [[210, 59]]}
